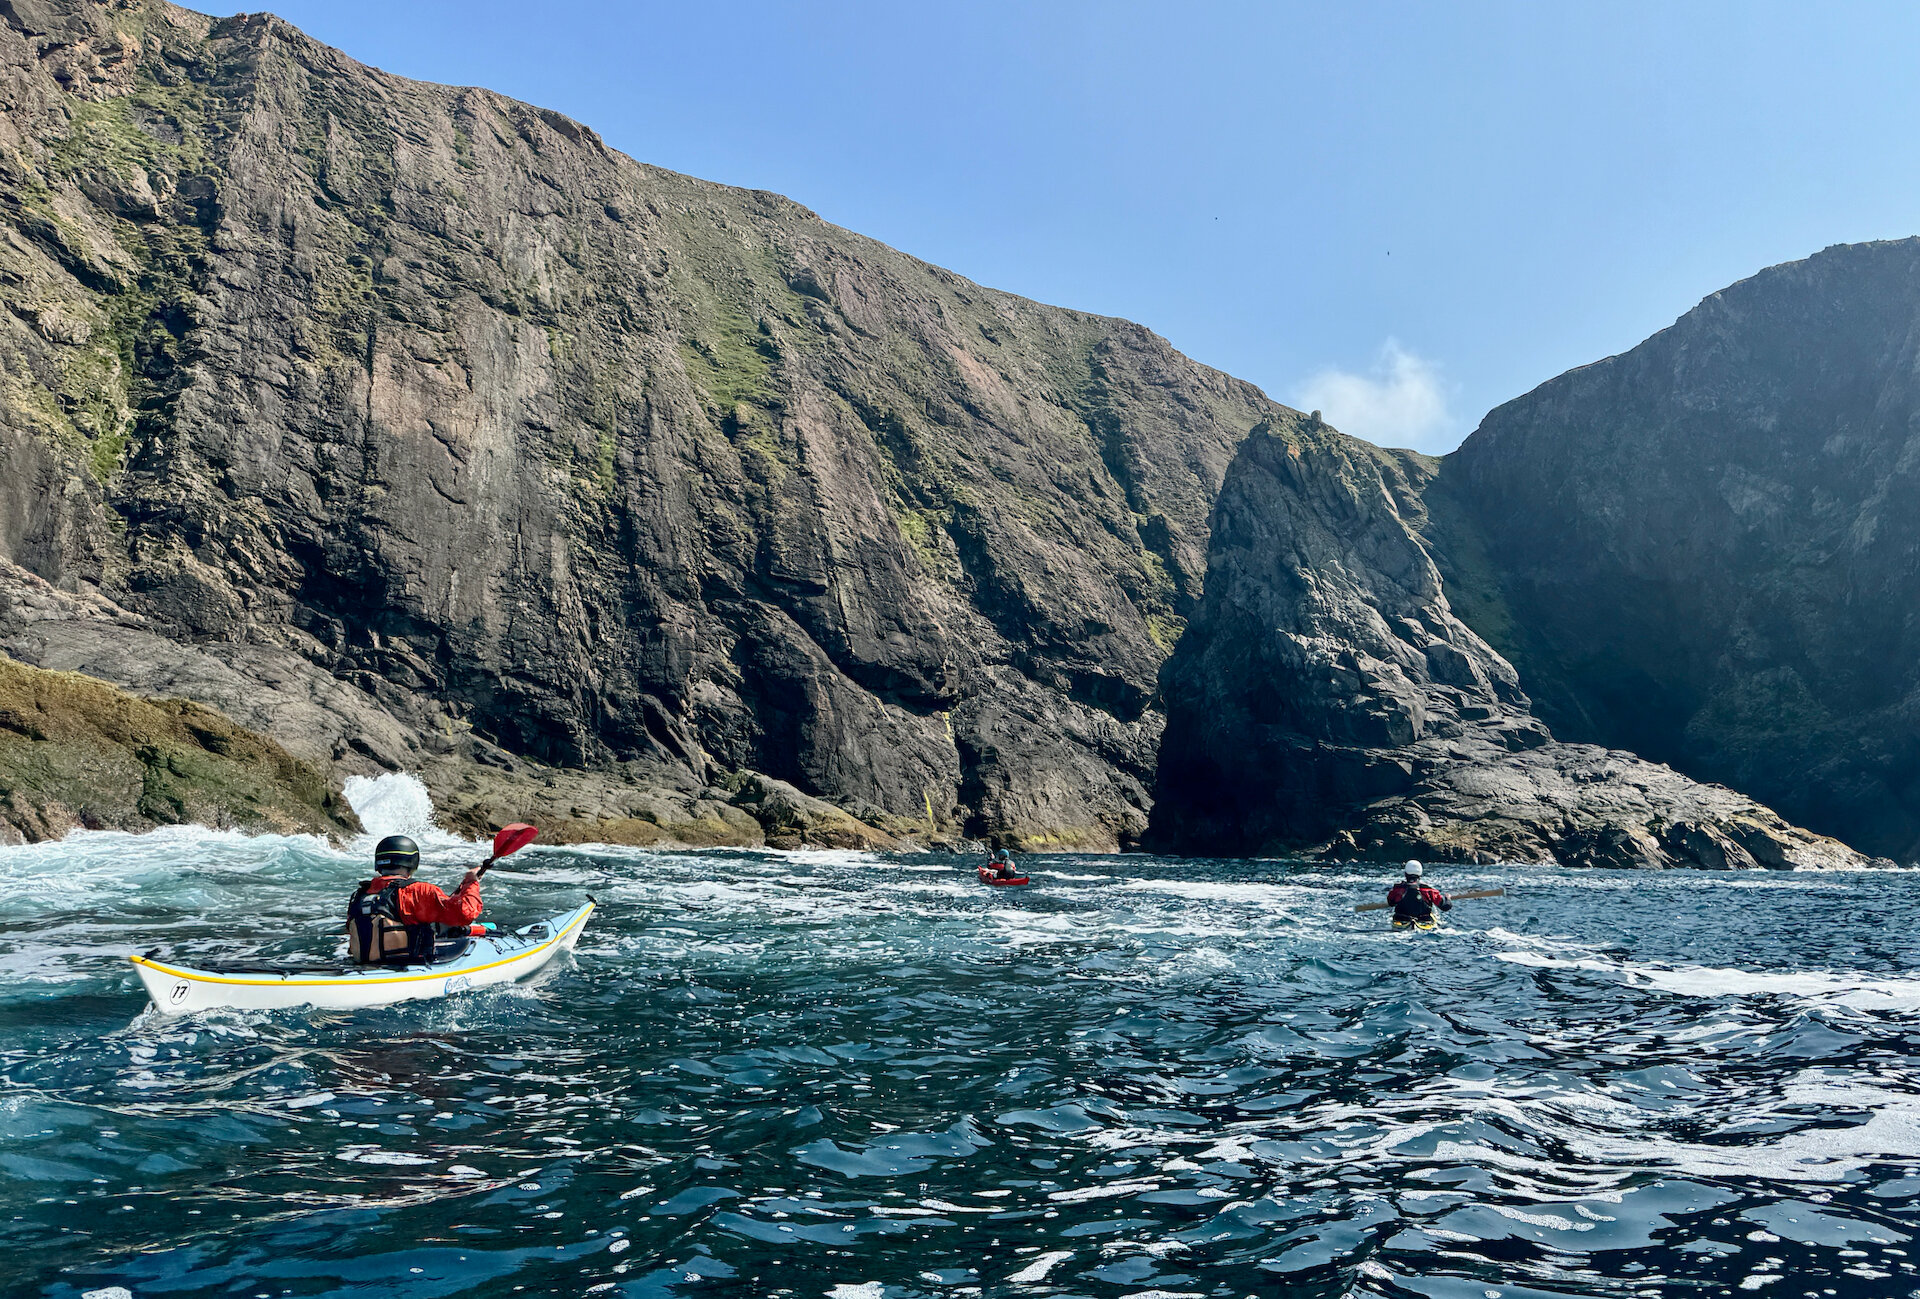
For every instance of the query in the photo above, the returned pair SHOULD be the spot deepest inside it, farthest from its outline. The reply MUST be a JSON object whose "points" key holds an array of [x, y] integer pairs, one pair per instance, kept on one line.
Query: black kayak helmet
{"points": [[396, 852]]}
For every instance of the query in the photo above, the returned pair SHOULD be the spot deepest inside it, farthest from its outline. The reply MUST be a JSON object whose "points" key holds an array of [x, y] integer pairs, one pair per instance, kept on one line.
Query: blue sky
{"points": [[1404, 214]]}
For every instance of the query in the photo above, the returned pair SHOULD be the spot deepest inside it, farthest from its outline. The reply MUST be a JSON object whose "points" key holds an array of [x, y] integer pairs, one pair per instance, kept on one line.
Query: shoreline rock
{"points": [[75, 753]]}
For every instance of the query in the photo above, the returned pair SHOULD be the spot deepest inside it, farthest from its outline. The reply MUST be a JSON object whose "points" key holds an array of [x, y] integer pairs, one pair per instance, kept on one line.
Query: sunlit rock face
{"points": [[425, 430], [412, 428]]}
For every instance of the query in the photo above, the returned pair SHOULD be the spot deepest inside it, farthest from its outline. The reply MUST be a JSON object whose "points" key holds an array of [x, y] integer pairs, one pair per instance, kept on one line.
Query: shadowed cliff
{"points": [[1707, 549], [1326, 699]]}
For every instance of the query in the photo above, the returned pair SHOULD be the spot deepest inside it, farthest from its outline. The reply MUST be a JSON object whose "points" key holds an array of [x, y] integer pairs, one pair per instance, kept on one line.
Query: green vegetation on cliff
{"points": [[76, 752]]}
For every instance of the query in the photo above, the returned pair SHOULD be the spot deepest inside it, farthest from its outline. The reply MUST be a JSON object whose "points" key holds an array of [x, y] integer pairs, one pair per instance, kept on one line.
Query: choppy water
{"points": [[831, 1074]]}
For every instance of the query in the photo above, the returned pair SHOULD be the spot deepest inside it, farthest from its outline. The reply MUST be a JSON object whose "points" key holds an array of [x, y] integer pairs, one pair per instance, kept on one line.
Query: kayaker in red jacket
{"points": [[394, 918], [1413, 901]]}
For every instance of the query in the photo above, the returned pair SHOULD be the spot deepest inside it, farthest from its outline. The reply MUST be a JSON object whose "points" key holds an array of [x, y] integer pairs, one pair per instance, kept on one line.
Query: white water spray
{"points": [[396, 803]]}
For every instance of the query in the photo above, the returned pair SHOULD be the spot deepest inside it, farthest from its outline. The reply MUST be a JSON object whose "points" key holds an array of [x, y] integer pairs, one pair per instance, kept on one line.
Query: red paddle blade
{"points": [[512, 839]]}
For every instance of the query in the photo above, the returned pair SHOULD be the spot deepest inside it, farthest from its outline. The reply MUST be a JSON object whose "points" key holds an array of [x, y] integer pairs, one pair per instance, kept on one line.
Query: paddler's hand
{"points": [[472, 876]]}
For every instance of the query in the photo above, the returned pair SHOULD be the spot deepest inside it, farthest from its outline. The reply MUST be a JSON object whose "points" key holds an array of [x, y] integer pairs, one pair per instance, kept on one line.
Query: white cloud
{"points": [[1400, 402]]}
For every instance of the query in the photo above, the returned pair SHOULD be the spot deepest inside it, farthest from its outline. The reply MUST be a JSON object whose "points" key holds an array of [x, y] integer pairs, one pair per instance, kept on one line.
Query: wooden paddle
{"points": [[510, 840], [1452, 897]]}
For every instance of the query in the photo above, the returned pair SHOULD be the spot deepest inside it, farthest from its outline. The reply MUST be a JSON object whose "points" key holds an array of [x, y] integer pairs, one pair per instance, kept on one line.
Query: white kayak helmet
{"points": [[1413, 870]]}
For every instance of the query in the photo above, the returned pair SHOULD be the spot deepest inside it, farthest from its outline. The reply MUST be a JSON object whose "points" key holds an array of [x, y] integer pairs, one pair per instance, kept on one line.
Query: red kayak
{"points": [[990, 877]]}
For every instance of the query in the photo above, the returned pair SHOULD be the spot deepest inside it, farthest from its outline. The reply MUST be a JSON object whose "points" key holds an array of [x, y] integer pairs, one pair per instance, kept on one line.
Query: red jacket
{"points": [[422, 903]]}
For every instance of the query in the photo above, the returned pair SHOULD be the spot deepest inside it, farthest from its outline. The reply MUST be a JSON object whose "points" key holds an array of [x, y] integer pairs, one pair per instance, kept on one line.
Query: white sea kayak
{"points": [[493, 959]]}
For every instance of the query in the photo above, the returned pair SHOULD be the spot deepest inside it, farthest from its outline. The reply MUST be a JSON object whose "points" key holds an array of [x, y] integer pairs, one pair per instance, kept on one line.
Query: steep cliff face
{"points": [[414, 426], [1706, 549], [1326, 698]]}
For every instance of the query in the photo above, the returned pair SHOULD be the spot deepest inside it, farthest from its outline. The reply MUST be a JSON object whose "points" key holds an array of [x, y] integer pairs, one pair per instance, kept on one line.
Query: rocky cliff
{"points": [[1706, 549], [413, 427], [410, 427], [1327, 699]]}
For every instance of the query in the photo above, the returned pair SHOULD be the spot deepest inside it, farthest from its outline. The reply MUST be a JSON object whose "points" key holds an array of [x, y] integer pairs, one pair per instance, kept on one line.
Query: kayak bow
{"points": [[486, 961]]}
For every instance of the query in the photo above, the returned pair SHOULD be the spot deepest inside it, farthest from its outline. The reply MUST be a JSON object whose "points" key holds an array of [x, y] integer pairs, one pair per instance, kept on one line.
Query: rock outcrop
{"points": [[1326, 699], [1704, 550], [75, 752], [422, 430]]}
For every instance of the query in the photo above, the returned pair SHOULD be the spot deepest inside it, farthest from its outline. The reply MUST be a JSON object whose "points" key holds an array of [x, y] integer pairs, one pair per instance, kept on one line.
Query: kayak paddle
{"points": [[510, 840], [1451, 897]]}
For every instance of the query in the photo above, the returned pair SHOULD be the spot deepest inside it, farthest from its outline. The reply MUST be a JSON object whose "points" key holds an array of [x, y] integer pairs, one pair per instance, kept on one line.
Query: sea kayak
{"points": [[482, 962], [1424, 926], [993, 878]]}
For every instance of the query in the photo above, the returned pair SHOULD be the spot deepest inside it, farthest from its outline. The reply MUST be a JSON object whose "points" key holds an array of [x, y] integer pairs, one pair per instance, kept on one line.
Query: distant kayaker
{"points": [[394, 919], [1001, 863], [1413, 901]]}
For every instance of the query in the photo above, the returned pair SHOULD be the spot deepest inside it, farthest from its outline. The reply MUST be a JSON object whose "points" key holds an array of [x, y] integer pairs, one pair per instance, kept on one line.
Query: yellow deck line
{"points": [[356, 981]]}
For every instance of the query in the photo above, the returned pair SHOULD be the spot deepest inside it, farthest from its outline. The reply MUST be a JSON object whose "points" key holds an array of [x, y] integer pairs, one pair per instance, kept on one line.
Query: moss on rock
{"points": [[76, 752]]}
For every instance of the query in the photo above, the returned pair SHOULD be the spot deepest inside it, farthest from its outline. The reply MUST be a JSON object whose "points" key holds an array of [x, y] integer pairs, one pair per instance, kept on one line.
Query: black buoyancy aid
{"points": [[376, 935], [1412, 901]]}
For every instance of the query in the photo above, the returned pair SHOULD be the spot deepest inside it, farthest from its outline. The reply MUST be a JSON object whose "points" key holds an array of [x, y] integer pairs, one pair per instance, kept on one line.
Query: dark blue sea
{"points": [[869, 1077]]}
